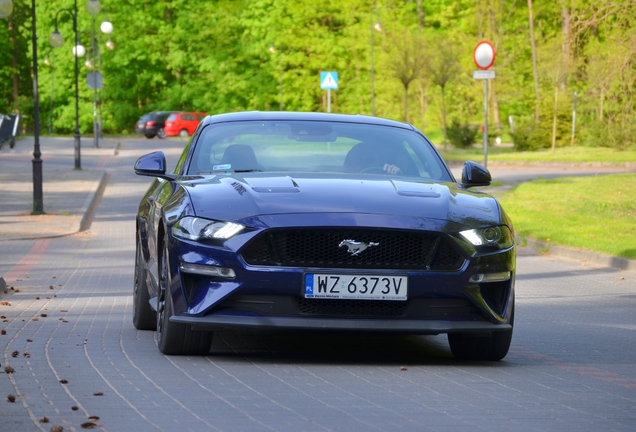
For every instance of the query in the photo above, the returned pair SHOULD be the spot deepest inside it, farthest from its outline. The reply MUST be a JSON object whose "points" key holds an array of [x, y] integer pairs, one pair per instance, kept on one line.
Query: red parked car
{"points": [[183, 123]]}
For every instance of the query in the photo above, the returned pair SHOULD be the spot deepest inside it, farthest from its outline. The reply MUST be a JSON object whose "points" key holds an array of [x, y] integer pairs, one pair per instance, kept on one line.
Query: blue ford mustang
{"points": [[329, 222]]}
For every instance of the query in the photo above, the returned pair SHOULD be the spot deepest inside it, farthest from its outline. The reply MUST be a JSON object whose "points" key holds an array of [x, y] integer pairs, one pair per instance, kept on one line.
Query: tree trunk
{"points": [[534, 62], [420, 14], [493, 94], [444, 113], [554, 117], [495, 105], [422, 99], [406, 103], [602, 101], [566, 46], [15, 39]]}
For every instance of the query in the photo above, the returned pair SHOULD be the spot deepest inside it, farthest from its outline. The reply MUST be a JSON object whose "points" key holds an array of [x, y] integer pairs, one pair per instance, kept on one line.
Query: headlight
{"points": [[498, 236], [194, 228]]}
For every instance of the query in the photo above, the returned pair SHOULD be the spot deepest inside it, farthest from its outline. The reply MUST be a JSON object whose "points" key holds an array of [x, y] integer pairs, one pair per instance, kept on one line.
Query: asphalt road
{"points": [[69, 323]]}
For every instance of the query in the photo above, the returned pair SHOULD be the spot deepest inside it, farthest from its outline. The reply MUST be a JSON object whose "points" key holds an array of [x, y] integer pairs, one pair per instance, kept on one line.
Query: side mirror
{"points": [[153, 165], [474, 174]]}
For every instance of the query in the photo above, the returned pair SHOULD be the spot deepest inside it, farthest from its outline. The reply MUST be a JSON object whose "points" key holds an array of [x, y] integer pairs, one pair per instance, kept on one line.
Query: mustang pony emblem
{"points": [[355, 247]]}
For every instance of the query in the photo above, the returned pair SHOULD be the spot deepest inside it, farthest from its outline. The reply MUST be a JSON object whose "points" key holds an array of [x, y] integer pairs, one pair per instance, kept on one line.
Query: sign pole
{"points": [[484, 58], [329, 81], [485, 137]]}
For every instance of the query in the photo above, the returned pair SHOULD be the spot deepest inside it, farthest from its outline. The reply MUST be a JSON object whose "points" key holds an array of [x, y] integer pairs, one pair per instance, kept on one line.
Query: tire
{"points": [[161, 133], [471, 346], [150, 136], [144, 318], [176, 338], [184, 133]]}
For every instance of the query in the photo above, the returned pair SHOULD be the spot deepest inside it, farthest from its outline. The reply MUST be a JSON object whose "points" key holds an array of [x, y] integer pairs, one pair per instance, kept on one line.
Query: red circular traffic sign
{"points": [[484, 55]]}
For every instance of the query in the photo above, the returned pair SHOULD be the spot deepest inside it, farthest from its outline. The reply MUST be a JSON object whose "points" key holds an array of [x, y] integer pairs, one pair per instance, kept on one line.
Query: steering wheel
{"points": [[379, 170], [373, 170]]}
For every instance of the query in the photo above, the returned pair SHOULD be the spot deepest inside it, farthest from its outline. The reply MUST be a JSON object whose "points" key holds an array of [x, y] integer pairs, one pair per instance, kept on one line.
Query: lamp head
{"points": [[106, 27], [79, 50], [6, 7], [56, 39], [93, 7]]}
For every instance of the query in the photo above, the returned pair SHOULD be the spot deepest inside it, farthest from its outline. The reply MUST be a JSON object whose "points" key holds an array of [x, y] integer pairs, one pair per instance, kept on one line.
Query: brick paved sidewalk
{"points": [[68, 194]]}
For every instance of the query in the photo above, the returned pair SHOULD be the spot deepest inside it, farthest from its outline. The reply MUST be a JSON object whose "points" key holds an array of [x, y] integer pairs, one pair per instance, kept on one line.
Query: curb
{"points": [[90, 203], [580, 254], [87, 210]]}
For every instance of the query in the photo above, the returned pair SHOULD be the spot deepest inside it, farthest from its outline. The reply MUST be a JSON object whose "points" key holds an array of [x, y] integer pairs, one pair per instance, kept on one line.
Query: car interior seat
{"points": [[241, 157], [365, 155]]}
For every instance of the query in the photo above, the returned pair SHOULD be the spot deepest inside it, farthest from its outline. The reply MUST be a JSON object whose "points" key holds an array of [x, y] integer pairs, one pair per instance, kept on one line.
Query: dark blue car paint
{"points": [[261, 201]]}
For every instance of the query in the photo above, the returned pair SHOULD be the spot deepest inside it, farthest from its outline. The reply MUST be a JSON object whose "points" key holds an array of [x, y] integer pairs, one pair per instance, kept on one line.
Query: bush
{"points": [[620, 135], [533, 136], [462, 136]]}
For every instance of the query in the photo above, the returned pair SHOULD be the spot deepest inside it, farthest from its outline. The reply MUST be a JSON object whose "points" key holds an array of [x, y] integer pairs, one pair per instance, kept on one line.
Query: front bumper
{"points": [[269, 297], [425, 327]]}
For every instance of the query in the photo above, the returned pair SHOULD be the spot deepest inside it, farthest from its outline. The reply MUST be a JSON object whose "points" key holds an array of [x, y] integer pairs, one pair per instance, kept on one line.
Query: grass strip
{"points": [[595, 213], [576, 154]]}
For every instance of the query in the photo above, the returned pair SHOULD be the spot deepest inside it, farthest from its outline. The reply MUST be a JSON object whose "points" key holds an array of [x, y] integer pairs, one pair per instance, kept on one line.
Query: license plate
{"points": [[357, 287]]}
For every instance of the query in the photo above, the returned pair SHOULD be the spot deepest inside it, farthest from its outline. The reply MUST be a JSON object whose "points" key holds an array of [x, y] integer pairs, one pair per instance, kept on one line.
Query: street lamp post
{"points": [[57, 40], [6, 7], [375, 26], [272, 49], [93, 7], [107, 28], [50, 63]]}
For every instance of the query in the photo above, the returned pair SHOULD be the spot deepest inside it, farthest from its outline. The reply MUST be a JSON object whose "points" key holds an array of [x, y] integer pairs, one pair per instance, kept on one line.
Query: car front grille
{"points": [[329, 307], [395, 249]]}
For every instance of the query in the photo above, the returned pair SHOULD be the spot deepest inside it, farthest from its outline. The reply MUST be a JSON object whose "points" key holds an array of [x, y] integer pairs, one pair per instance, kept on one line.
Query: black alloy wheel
{"points": [[175, 338], [144, 317], [471, 346]]}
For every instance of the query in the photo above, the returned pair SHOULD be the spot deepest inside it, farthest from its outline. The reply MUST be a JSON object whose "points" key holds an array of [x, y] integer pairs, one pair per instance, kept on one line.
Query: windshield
{"points": [[315, 147]]}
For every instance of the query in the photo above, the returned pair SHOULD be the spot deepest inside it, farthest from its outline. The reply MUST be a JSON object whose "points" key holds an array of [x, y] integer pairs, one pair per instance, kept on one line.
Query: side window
{"points": [[178, 169], [188, 117]]}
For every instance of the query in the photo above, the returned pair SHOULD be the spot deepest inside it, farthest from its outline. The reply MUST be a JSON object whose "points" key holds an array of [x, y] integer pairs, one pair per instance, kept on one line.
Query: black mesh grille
{"points": [[351, 307], [321, 248]]}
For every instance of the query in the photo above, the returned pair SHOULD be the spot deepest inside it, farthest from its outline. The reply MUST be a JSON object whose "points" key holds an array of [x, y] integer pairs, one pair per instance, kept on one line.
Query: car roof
{"points": [[302, 116]]}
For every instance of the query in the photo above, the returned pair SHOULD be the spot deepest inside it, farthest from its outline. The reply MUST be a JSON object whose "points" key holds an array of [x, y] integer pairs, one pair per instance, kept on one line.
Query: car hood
{"points": [[238, 197]]}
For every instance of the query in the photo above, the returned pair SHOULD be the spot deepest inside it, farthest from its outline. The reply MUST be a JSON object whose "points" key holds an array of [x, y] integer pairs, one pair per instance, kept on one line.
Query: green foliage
{"points": [[533, 135], [214, 56], [620, 135], [462, 135]]}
